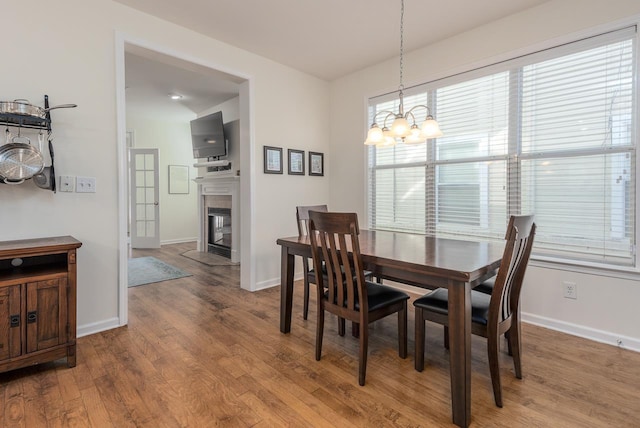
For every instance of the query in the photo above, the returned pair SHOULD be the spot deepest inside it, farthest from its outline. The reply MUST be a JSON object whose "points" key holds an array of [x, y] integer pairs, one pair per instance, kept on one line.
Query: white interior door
{"points": [[145, 202]]}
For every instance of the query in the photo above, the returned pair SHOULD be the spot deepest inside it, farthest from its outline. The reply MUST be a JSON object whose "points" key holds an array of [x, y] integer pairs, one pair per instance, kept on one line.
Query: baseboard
{"points": [[624, 342], [274, 282], [178, 241], [97, 327]]}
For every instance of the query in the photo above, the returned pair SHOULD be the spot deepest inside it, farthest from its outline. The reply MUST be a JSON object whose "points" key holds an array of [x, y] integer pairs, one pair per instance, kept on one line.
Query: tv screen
{"points": [[207, 136]]}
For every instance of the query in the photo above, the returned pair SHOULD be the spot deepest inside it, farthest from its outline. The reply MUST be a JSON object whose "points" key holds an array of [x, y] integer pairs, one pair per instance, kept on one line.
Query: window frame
{"points": [[571, 44]]}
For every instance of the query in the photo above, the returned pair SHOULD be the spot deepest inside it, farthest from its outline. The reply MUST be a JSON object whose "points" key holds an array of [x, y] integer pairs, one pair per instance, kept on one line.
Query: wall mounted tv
{"points": [[207, 136]]}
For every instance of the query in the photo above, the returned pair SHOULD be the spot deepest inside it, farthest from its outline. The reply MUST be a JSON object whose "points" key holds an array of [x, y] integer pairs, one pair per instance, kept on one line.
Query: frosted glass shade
{"points": [[400, 127], [374, 136], [431, 129]]}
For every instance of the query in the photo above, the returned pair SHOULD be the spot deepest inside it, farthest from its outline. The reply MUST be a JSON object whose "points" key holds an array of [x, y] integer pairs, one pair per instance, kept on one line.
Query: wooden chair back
{"points": [[302, 215], [333, 236], [505, 297]]}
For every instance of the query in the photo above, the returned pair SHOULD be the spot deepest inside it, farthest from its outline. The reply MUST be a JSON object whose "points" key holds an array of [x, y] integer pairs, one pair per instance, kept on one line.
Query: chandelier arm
{"points": [[419, 106], [387, 112]]}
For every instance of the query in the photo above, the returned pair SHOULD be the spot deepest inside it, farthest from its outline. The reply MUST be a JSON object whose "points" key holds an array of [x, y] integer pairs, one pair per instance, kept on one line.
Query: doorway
{"points": [[159, 53]]}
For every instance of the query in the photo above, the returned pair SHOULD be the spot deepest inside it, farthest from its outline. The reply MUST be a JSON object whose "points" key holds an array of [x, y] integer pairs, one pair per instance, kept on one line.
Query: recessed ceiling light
{"points": [[175, 96]]}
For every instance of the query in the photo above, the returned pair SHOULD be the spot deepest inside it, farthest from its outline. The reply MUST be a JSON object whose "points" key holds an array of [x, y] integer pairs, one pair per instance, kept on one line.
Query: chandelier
{"points": [[404, 127]]}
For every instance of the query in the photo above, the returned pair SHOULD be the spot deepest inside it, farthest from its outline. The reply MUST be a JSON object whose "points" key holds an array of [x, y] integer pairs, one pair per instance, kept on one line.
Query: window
{"points": [[551, 133]]}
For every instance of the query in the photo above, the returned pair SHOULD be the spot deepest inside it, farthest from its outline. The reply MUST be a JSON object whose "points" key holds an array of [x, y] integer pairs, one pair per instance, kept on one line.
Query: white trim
{"points": [[178, 240], [247, 146], [97, 327], [247, 186], [584, 267], [601, 336], [123, 182]]}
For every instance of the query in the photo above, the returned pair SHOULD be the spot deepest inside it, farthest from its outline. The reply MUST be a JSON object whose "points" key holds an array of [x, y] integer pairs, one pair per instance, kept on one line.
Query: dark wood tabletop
{"points": [[425, 262]]}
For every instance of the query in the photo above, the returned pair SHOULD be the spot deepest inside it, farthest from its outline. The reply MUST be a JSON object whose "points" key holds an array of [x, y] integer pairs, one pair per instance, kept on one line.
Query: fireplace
{"points": [[219, 237], [219, 216]]}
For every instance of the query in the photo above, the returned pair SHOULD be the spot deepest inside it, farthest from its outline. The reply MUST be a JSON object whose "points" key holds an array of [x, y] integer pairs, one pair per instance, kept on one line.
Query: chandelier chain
{"points": [[401, 43]]}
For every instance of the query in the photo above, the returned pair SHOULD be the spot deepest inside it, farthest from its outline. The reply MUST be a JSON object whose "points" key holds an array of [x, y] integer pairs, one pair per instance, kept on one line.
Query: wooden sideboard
{"points": [[37, 301]]}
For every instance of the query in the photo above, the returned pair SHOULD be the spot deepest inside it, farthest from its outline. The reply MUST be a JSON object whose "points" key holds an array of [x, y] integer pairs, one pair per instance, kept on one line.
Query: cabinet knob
{"points": [[32, 317]]}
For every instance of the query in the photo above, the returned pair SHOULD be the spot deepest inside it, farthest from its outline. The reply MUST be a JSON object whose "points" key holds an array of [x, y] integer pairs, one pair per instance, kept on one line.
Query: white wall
{"points": [[594, 313], [67, 49], [172, 138]]}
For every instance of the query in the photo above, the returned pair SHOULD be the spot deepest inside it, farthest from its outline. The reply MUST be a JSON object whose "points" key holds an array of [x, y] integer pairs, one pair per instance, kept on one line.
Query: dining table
{"points": [[421, 261]]}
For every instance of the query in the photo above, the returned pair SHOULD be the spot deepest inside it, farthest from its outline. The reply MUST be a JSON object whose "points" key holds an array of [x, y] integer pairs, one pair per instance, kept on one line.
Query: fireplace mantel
{"points": [[213, 185]]}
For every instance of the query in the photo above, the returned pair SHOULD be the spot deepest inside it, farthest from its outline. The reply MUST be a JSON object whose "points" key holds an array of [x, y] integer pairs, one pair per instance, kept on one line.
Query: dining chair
{"points": [[309, 275], [491, 314], [348, 295]]}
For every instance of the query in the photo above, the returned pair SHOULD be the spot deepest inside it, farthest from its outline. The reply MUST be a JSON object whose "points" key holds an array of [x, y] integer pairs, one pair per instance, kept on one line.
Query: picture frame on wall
{"points": [[272, 160], [296, 162], [316, 163], [178, 179]]}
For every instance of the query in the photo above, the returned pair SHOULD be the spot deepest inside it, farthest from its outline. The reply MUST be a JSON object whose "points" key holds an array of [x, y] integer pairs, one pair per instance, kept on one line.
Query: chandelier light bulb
{"points": [[374, 136], [431, 129], [415, 137], [400, 127]]}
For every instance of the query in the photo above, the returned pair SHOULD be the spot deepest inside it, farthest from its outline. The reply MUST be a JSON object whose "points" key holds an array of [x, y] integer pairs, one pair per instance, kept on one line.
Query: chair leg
{"points": [[446, 337], [515, 345], [364, 344], [305, 309], [419, 331], [402, 331], [319, 332], [355, 329], [506, 337], [493, 345]]}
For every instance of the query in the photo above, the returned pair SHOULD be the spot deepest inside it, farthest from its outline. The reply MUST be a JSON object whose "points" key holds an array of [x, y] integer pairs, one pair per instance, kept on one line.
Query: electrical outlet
{"points": [[85, 185], [570, 290], [66, 183]]}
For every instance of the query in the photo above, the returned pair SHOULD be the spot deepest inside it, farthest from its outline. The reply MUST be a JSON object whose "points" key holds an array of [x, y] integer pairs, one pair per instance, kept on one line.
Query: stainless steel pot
{"points": [[19, 160], [24, 108]]}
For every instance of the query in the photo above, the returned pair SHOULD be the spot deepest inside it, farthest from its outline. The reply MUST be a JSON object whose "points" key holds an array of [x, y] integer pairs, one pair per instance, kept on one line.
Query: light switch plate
{"points": [[85, 184], [67, 183]]}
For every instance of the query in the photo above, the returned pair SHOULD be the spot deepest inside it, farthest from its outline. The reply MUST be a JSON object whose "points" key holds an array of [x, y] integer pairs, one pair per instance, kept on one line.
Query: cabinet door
{"points": [[10, 322], [46, 314]]}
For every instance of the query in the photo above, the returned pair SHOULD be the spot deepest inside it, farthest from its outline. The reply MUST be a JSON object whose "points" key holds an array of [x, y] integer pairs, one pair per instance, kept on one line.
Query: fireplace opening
{"points": [[219, 239]]}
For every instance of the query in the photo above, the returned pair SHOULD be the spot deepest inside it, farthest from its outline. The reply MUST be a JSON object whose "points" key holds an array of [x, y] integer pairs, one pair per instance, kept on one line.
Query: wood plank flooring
{"points": [[201, 352]]}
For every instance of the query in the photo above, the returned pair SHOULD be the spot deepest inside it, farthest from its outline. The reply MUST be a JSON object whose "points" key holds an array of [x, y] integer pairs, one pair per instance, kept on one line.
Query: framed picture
{"points": [[316, 163], [272, 160], [296, 162], [178, 179]]}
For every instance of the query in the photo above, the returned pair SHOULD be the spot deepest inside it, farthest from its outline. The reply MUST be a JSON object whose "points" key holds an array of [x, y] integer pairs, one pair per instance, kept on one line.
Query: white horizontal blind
{"points": [[551, 134], [469, 161], [397, 180], [577, 163]]}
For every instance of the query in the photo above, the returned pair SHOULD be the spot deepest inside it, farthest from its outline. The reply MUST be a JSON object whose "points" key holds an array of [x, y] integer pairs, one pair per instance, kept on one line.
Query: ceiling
{"points": [[324, 38], [151, 77]]}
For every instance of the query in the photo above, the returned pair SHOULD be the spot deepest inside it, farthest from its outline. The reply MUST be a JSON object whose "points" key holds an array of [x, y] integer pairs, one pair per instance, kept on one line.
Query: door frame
{"points": [[247, 160]]}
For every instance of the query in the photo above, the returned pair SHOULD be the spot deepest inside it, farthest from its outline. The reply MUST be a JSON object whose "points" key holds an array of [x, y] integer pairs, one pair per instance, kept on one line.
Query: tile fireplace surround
{"points": [[219, 192]]}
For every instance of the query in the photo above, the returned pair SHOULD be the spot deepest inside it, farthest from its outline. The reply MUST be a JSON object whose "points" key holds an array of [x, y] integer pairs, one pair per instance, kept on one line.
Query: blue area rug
{"points": [[145, 270]]}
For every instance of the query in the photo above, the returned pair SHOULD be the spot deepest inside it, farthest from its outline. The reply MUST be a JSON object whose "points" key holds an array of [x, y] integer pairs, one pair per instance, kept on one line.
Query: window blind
{"points": [[551, 133]]}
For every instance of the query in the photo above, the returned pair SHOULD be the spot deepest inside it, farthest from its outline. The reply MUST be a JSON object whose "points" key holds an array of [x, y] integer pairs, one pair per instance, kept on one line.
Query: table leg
{"points": [[460, 351], [287, 264]]}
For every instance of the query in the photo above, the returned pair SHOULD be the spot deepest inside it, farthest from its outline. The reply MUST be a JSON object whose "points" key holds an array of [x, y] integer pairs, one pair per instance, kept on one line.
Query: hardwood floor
{"points": [[201, 352]]}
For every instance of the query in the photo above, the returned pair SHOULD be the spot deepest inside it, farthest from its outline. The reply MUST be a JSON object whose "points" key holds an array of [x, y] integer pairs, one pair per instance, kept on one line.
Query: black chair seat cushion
{"points": [[486, 287], [438, 301], [379, 296]]}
